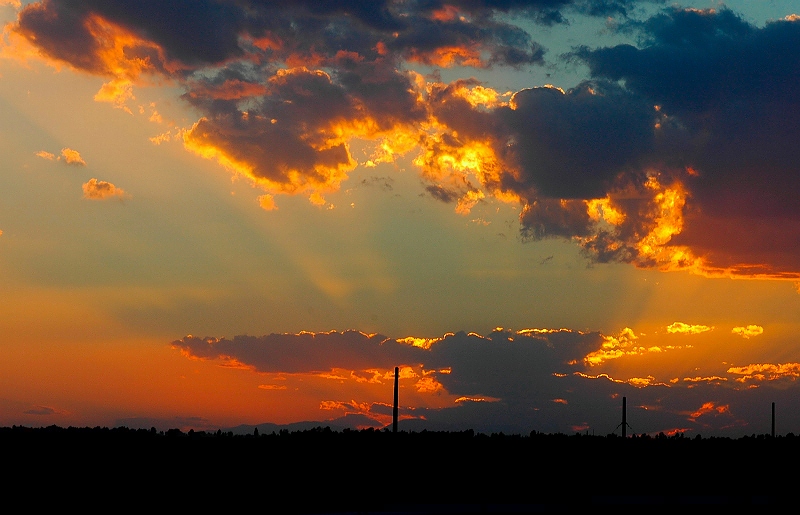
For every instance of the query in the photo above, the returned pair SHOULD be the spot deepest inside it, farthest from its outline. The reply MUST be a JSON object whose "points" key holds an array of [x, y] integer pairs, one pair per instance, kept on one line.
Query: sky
{"points": [[216, 213]]}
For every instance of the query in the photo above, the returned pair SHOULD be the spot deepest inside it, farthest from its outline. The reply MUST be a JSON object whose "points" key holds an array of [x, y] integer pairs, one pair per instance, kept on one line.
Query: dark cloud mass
{"points": [[728, 94], [677, 153]]}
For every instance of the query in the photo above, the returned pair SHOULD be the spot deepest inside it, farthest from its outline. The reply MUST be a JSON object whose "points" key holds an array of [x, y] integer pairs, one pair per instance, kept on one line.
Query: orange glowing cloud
{"points": [[116, 92], [428, 385], [68, 156], [709, 408], [72, 157], [101, 190], [614, 347], [267, 203], [447, 57], [759, 372], [748, 331], [682, 328], [708, 379], [423, 343]]}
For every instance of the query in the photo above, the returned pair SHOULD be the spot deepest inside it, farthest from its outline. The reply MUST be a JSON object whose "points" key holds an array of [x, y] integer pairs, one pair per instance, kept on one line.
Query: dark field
{"points": [[322, 471]]}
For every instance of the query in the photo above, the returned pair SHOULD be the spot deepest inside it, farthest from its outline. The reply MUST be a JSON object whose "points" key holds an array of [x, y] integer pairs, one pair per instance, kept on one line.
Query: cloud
{"points": [[72, 157], [68, 156], [758, 372], [682, 328], [101, 190], [43, 411], [267, 203], [748, 332], [709, 408]]}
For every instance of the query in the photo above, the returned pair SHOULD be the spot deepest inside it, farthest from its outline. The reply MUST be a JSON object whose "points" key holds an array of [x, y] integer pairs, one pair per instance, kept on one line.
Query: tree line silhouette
{"points": [[325, 471]]}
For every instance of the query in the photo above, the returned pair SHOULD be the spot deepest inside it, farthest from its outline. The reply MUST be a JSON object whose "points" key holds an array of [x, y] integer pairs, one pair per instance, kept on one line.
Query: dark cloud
{"points": [[502, 356], [203, 32], [305, 352], [574, 144]]}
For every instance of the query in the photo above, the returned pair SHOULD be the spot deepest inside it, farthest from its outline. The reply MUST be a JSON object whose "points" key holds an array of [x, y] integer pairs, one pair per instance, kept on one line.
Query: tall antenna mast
{"points": [[624, 417], [624, 423]]}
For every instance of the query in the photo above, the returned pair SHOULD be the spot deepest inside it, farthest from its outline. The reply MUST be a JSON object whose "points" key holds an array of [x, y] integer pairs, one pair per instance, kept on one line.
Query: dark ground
{"points": [[321, 471]]}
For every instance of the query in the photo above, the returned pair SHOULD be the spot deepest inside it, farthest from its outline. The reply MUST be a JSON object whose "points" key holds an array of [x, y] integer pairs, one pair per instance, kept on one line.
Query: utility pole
{"points": [[395, 409]]}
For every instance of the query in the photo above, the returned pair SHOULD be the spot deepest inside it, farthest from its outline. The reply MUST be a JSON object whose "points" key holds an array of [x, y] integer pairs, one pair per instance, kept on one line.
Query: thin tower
{"points": [[394, 410]]}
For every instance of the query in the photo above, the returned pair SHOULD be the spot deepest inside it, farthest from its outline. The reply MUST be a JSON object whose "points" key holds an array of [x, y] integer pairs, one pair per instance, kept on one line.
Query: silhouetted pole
{"points": [[773, 420], [394, 410], [624, 417]]}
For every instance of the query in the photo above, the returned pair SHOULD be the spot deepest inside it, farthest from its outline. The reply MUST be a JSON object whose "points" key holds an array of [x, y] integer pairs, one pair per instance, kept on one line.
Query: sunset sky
{"points": [[223, 212]]}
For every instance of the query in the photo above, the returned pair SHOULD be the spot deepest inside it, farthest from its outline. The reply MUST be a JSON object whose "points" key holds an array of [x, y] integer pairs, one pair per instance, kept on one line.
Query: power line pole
{"points": [[773, 420], [395, 409]]}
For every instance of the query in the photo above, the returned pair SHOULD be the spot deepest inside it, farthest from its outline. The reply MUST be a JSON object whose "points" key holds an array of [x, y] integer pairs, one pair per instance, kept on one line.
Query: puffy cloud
{"points": [[748, 331], [46, 155], [100, 190]]}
